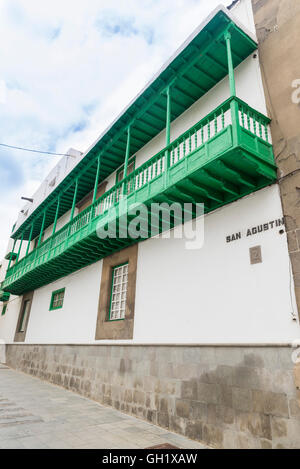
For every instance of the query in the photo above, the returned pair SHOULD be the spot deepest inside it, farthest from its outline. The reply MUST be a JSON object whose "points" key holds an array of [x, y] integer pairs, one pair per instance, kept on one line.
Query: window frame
{"points": [[111, 292], [20, 336], [22, 325], [130, 162], [56, 292]]}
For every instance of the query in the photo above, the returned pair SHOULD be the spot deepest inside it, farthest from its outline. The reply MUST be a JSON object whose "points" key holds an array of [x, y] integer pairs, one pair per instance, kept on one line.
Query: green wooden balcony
{"points": [[222, 158]]}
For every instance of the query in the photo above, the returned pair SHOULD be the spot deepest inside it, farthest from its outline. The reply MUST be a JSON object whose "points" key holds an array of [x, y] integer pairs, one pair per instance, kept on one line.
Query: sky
{"points": [[67, 69]]}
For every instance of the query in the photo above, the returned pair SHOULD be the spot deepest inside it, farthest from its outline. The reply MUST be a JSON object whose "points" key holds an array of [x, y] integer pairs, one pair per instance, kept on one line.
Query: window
{"points": [[118, 292], [25, 312], [57, 299], [4, 309], [130, 169]]}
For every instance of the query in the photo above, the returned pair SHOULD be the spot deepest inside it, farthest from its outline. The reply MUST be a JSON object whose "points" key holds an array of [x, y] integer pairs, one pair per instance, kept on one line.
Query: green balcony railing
{"points": [[225, 156]]}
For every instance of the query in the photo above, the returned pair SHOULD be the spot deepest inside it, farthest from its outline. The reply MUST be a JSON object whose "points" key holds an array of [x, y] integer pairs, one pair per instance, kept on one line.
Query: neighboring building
{"points": [[195, 340]]}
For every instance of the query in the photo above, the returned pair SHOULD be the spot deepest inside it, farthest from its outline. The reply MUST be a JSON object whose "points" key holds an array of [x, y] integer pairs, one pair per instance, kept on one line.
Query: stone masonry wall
{"points": [[227, 397]]}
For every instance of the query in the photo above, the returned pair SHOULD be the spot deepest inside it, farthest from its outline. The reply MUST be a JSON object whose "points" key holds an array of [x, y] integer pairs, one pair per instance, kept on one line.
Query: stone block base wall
{"points": [[227, 397]]}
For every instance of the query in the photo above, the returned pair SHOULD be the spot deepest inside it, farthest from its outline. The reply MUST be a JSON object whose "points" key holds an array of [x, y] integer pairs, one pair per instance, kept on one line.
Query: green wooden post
{"points": [[233, 105], [124, 191], [20, 247], [127, 152], [42, 229], [74, 200], [56, 216], [29, 239], [168, 125], [230, 64], [96, 180], [10, 258]]}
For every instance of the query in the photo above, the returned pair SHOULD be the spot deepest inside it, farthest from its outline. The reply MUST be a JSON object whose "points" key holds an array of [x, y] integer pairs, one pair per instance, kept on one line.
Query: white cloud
{"points": [[69, 68]]}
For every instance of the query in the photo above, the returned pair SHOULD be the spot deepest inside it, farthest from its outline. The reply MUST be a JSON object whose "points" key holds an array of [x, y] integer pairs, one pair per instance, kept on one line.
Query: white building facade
{"points": [[229, 300]]}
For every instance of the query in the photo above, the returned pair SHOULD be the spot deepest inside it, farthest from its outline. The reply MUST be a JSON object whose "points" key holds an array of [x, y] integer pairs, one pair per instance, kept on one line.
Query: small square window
{"points": [[57, 299], [118, 293]]}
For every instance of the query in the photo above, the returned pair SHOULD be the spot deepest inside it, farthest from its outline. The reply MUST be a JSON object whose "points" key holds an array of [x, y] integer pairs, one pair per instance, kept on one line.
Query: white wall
{"points": [[214, 294], [76, 320], [8, 322], [243, 12], [209, 295]]}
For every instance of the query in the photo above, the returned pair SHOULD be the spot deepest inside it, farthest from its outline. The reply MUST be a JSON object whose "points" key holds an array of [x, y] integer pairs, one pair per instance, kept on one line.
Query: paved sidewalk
{"points": [[35, 414]]}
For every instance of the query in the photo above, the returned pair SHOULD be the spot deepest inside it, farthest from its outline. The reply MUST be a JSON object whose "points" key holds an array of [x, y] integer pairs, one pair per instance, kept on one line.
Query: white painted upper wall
{"points": [[208, 295], [214, 294], [243, 12], [8, 322], [76, 321], [54, 178]]}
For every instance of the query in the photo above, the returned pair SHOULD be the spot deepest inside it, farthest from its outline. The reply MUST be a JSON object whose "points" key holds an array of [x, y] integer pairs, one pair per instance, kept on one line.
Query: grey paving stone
{"points": [[39, 415]]}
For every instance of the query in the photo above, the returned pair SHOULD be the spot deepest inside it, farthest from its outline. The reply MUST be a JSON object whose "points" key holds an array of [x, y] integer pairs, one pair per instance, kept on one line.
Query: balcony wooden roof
{"points": [[198, 65]]}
